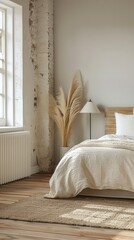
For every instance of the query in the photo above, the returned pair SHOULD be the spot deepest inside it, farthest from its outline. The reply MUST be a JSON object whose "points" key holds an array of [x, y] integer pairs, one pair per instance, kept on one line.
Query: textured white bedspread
{"points": [[106, 163]]}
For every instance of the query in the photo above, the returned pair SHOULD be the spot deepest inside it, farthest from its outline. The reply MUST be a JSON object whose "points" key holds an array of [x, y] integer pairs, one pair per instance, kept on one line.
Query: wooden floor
{"points": [[9, 229]]}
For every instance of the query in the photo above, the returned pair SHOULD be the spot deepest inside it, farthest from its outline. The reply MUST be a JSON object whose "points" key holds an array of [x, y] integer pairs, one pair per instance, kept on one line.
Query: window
{"points": [[2, 67], [11, 65]]}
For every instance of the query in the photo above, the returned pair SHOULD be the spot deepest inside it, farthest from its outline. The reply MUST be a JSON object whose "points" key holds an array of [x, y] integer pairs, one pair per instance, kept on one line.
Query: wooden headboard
{"points": [[110, 124]]}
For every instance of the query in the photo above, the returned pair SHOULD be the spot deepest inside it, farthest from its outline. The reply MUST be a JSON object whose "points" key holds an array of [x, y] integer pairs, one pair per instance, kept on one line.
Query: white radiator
{"points": [[15, 156]]}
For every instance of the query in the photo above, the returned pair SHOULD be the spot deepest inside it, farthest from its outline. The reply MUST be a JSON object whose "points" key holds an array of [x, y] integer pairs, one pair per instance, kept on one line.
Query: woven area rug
{"points": [[84, 211]]}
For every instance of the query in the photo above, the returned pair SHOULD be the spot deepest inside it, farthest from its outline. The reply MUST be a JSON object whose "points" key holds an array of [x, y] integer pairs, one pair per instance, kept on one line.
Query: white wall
{"points": [[97, 37], [28, 73], [38, 79], [28, 77]]}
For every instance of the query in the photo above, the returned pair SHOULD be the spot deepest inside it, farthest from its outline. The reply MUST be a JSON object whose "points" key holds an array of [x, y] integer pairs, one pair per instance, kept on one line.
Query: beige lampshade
{"points": [[90, 107]]}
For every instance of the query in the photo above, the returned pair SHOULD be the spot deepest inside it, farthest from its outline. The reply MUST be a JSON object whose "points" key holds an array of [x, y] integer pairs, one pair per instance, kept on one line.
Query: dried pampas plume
{"points": [[64, 110]]}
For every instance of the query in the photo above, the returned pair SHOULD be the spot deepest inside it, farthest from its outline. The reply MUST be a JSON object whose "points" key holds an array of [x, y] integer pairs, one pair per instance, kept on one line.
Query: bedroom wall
{"points": [[28, 81], [38, 79], [97, 37], [41, 31]]}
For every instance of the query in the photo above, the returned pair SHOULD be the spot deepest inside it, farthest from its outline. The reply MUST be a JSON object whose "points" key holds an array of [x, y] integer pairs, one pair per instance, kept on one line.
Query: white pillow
{"points": [[124, 124]]}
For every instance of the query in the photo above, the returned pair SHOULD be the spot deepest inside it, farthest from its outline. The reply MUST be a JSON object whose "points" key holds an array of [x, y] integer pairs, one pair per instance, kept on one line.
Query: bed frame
{"points": [[110, 124], [110, 128]]}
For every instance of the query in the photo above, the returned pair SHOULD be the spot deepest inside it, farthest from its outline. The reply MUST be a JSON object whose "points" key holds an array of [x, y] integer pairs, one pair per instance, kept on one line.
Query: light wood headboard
{"points": [[110, 124]]}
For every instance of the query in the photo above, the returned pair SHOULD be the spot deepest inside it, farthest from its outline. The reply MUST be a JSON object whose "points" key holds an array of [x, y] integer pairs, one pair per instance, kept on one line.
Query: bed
{"points": [[99, 167]]}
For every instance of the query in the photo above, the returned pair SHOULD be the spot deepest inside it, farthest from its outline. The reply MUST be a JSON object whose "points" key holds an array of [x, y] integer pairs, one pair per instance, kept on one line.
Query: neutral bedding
{"points": [[105, 163]]}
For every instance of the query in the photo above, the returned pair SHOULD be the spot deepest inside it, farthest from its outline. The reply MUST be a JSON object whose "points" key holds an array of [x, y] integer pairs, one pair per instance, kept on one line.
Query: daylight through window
{"points": [[11, 65]]}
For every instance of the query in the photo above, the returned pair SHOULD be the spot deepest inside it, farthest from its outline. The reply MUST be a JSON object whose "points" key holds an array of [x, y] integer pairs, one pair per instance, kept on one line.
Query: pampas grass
{"points": [[64, 110]]}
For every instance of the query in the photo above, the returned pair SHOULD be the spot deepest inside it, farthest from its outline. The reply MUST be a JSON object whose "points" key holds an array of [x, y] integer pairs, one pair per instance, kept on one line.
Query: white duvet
{"points": [[106, 163]]}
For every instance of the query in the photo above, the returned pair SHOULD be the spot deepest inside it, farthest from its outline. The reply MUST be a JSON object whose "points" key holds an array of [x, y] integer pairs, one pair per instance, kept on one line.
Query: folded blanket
{"points": [[123, 144]]}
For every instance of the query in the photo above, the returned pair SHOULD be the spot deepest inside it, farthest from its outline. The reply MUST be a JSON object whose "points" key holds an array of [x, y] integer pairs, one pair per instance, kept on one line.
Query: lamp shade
{"points": [[90, 107]]}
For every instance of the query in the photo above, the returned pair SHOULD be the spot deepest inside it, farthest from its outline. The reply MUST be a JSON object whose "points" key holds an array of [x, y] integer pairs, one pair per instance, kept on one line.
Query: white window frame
{"points": [[13, 115]]}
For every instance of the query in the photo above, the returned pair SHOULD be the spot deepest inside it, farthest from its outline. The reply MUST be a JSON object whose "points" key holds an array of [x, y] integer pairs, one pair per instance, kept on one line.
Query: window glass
{"points": [[11, 53], [0, 19], [0, 63], [1, 108], [2, 97], [1, 84]]}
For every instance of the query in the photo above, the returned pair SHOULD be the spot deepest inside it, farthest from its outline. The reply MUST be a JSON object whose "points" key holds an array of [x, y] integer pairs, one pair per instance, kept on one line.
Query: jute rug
{"points": [[84, 211]]}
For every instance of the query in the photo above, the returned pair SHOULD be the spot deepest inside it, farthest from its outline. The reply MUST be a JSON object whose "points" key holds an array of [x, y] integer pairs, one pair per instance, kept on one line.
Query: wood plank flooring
{"points": [[38, 183]]}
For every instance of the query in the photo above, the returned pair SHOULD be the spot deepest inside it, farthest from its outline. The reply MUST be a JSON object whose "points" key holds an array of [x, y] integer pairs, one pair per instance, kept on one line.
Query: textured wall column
{"points": [[41, 22]]}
